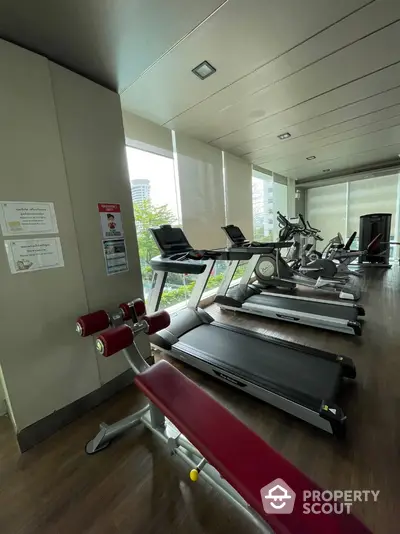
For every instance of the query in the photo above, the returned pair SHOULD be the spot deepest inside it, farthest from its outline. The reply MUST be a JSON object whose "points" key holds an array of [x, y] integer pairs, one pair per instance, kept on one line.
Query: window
{"points": [[337, 208], [280, 201], [269, 197], [263, 206], [155, 202]]}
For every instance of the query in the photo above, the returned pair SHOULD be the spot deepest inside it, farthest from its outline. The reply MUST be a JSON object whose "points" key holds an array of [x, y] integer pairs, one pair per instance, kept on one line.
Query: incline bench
{"points": [[214, 442]]}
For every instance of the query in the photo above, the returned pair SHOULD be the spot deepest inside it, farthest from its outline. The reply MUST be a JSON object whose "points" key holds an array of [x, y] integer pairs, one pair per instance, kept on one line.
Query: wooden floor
{"points": [[135, 487]]}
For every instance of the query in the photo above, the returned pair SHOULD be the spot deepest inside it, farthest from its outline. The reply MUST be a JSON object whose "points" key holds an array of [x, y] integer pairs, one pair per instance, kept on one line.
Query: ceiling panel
{"points": [[338, 118], [388, 137], [357, 141], [109, 41], [238, 39], [363, 57], [306, 145], [349, 163], [201, 120], [354, 92]]}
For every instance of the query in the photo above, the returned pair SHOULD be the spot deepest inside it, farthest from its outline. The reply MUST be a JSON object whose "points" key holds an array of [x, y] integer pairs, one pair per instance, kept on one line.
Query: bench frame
{"points": [[152, 418]]}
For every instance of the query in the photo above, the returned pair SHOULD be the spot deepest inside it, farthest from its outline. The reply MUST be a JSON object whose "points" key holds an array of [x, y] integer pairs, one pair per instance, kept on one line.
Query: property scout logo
{"points": [[279, 498]]}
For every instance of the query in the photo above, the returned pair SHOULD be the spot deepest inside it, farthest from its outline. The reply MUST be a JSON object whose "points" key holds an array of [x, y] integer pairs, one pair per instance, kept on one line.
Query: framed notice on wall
{"points": [[115, 256], [28, 255], [22, 218]]}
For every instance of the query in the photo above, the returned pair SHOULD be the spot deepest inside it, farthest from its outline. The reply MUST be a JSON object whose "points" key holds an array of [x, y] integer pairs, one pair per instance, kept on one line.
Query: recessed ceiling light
{"points": [[285, 135], [311, 157], [204, 70], [326, 170]]}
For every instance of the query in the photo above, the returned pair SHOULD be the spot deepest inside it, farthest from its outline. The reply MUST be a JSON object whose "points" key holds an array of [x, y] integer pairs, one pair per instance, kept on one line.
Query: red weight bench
{"points": [[240, 456]]}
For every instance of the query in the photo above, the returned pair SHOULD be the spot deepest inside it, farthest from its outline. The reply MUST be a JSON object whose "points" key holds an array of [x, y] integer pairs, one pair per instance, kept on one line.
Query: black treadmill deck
{"points": [[265, 363], [347, 313]]}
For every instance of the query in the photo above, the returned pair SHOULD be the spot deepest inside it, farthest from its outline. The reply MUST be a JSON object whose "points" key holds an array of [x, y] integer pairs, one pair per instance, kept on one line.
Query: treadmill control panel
{"points": [[238, 239], [177, 255], [170, 240]]}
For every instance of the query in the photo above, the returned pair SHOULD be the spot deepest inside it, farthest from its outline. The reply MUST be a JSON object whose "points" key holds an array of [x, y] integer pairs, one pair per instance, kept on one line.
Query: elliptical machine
{"points": [[313, 268]]}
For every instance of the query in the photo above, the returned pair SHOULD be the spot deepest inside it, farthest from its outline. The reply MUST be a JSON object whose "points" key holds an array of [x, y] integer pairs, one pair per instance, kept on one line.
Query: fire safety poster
{"points": [[111, 221]]}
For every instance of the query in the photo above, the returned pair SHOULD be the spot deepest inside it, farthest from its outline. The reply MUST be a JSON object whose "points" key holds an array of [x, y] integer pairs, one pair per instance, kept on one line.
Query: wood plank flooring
{"points": [[135, 487]]}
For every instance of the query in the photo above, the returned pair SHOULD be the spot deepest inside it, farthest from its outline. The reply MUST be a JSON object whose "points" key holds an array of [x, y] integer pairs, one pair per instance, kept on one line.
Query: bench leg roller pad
{"points": [[92, 323], [114, 340]]}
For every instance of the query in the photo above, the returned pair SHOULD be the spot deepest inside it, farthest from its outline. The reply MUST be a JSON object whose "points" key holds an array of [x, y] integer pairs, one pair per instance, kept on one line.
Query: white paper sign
{"points": [[115, 256], [19, 218], [27, 255], [111, 220]]}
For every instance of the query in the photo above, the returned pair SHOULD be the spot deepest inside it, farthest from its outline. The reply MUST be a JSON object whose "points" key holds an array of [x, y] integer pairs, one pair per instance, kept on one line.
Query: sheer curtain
{"points": [[374, 195], [201, 192], [326, 210], [238, 191]]}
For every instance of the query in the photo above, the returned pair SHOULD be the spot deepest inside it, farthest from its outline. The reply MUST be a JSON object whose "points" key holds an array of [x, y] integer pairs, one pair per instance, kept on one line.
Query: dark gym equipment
{"points": [[371, 225], [300, 380]]}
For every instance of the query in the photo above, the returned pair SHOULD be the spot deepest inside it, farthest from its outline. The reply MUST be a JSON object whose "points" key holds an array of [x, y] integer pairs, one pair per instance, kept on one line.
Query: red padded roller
{"points": [[140, 308], [114, 340], [157, 321], [89, 324], [125, 310]]}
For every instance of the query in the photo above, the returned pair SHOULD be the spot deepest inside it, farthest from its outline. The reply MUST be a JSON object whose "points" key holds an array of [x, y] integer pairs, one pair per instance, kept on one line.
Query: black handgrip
{"points": [[303, 222]]}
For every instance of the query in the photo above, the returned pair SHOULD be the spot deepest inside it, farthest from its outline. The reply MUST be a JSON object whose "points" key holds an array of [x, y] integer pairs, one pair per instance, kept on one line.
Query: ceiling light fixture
{"points": [[311, 157], [327, 170], [204, 70], [285, 135]]}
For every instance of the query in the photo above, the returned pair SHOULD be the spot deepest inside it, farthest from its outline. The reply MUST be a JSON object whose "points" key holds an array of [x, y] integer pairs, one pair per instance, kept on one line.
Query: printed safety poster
{"points": [[111, 220]]}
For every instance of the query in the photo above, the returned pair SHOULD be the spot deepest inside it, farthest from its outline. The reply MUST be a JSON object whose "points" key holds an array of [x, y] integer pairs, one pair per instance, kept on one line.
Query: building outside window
{"points": [[140, 188], [269, 197], [263, 207]]}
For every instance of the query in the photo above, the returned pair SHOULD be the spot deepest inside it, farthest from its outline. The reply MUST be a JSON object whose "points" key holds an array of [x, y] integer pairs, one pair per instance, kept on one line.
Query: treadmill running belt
{"points": [[347, 313], [294, 369]]}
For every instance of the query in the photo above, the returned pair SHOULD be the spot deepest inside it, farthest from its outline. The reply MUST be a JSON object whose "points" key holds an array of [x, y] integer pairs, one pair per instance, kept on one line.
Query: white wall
{"points": [[61, 141], [3, 409]]}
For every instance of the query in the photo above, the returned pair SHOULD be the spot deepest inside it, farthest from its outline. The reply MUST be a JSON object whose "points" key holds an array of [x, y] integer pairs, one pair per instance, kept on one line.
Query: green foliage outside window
{"points": [[146, 216]]}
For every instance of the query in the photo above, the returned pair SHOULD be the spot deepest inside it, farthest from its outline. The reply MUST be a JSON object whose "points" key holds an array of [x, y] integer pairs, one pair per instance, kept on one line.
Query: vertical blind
{"points": [[326, 210], [238, 193], [202, 192]]}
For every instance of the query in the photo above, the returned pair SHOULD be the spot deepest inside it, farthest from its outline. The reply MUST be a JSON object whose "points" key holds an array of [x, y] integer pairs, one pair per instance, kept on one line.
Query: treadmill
{"points": [[293, 307], [302, 381]]}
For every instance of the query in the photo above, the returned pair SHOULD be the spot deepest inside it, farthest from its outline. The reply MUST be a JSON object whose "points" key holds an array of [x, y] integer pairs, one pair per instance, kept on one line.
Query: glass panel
{"points": [[280, 204], [154, 196], [177, 290], [263, 208]]}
